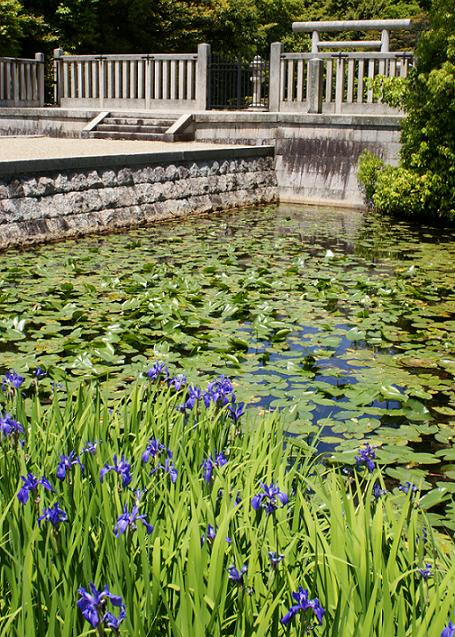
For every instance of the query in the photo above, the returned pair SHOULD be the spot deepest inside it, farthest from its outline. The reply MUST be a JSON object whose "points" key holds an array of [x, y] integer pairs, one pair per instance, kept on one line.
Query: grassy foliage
{"points": [[358, 554]]}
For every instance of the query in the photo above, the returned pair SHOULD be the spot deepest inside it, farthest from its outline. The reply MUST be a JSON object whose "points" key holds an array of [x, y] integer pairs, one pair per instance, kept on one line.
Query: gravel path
{"points": [[37, 147]]}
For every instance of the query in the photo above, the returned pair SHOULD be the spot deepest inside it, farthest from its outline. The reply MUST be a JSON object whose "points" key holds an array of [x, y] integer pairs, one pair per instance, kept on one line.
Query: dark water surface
{"points": [[344, 321]]}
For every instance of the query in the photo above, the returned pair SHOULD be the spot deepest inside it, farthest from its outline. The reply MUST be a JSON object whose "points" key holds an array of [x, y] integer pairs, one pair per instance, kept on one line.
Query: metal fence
{"points": [[236, 85]]}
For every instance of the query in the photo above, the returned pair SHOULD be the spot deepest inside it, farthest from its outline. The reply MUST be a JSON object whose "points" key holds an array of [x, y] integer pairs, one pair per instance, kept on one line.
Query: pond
{"points": [[344, 321]]}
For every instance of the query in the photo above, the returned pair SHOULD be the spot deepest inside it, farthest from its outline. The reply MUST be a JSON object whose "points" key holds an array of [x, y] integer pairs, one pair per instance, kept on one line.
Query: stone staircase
{"points": [[131, 127]]}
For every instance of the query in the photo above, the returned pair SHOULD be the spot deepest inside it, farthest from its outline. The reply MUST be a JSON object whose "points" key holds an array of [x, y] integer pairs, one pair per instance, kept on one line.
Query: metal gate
{"points": [[238, 85]]}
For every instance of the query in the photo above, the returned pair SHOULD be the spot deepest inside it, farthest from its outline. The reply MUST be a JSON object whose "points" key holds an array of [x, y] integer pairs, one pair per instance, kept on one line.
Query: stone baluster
{"points": [[202, 76]]}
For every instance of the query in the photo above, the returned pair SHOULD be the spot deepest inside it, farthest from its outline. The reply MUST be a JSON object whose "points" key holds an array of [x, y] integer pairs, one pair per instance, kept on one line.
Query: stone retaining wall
{"points": [[316, 155], [50, 203]]}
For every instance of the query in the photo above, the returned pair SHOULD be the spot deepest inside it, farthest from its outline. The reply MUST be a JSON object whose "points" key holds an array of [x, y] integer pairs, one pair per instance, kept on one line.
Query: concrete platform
{"points": [[41, 147], [38, 155]]}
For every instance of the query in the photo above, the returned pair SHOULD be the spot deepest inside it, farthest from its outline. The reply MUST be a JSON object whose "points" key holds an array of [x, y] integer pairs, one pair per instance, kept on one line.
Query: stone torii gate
{"points": [[304, 82], [385, 26]]}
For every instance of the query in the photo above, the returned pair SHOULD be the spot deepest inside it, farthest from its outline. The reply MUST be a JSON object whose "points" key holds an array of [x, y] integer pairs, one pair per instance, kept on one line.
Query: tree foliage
{"points": [[424, 183], [11, 27], [236, 27]]}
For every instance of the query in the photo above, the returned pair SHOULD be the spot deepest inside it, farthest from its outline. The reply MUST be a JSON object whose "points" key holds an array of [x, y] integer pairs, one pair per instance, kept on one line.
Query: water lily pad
{"points": [[358, 340]]}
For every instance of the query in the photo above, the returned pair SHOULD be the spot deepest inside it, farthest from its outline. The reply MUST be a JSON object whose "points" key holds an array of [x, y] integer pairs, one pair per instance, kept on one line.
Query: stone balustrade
{"points": [[22, 81], [331, 82], [177, 82]]}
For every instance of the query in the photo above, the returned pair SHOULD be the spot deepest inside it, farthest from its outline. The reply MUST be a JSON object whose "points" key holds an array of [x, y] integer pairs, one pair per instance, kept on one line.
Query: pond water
{"points": [[344, 321]]}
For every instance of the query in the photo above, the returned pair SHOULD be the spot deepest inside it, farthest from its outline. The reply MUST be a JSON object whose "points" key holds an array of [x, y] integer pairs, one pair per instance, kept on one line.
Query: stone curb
{"points": [[24, 166]]}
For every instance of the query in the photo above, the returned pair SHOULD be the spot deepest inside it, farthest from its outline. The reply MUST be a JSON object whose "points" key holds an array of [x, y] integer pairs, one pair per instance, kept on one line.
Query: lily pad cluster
{"points": [[343, 322]]}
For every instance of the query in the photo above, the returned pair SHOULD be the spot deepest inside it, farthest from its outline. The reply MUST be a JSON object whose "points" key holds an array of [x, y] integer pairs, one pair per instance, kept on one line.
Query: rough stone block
{"points": [[109, 178], [214, 168], [171, 173], [125, 177]]}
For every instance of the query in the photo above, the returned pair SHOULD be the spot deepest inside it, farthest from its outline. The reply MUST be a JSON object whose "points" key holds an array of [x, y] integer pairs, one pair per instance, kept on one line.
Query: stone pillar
{"points": [[202, 76], [384, 41], [276, 50], [315, 84], [39, 57], [314, 41], [58, 75]]}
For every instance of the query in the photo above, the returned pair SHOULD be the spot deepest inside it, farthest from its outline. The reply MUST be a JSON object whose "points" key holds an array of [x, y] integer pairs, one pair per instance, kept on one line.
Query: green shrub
{"points": [[424, 184], [401, 191], [369, 168]]}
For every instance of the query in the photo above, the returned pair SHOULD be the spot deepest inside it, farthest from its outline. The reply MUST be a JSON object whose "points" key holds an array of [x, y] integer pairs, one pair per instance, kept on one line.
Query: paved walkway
{"points": [[36, 147]]}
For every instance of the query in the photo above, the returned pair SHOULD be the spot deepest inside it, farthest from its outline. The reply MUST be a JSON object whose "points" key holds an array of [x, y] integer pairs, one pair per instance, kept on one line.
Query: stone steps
{"points": [[129, 127], [140, 121], [150, 137]]}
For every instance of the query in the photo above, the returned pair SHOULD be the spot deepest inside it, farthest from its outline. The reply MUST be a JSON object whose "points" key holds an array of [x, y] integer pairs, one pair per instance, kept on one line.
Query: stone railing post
{"points": [[58, 75], [202, 76], [315, 85], [16, 85], [39, 57], [102, 94], [276, 50]]}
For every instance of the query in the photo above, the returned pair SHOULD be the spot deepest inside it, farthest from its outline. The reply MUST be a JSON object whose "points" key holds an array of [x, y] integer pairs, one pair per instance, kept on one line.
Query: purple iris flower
{"points": [[10, 427], [177, 382], [449, 630], [209, 464], [157, 371], [65, 464], [122, 468], [275, 558], [194, 395], [129, 520], [90, 447], [365, 458], [236, 410], [424, 536], [169, 468], [39, 373], [426, 572], [236, 575], [408, 486], [219, 392], [303, 604], [92, 604], [209, 536], [12, 379], [154, 449], [54, 514], [111, 621], [31, 483], [269, 499], [378, 492]]}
